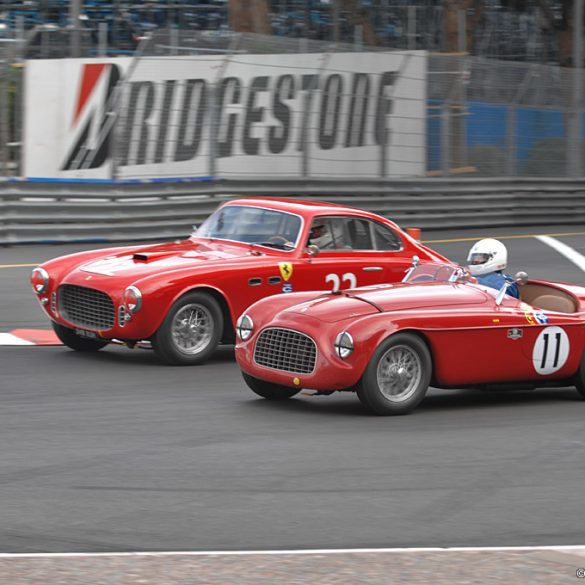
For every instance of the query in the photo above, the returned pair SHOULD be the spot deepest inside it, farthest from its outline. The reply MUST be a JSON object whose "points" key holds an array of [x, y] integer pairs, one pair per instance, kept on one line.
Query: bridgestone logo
{"points": [[269, 115]]}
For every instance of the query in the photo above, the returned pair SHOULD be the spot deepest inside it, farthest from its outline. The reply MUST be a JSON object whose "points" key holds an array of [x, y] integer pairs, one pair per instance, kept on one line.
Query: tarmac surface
{"points": [[116, 453]]}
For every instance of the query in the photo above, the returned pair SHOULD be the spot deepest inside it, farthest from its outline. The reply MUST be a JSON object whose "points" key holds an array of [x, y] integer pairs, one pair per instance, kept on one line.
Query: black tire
{"points": [[404, 360], [268, 390], [180, 340], [580, 378], [76, 342]]}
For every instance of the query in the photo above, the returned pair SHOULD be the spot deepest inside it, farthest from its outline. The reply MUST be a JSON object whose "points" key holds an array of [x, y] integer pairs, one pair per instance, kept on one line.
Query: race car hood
{"points": [[401, 297], [141, 262]]}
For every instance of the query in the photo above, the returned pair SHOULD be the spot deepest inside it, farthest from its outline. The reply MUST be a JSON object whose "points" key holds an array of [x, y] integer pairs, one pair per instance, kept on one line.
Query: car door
{"points": [[347, 257]]}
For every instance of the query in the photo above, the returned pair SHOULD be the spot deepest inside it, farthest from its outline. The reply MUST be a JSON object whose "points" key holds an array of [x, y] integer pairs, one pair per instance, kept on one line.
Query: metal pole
{"points": [[411, 27], [574, 157], [335, 19], [74, 11]]}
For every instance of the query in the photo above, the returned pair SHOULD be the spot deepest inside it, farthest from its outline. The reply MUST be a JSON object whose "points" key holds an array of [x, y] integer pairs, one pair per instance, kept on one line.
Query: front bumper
{"points": [[330, 371]]}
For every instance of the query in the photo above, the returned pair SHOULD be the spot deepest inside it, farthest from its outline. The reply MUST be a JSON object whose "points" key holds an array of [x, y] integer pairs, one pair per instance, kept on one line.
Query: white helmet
{"points": [[486, 256]]}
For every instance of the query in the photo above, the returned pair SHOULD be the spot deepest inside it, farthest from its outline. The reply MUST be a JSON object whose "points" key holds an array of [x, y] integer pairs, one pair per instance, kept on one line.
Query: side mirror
{"points": [[521, 278], [312, 250], [415, 261]]}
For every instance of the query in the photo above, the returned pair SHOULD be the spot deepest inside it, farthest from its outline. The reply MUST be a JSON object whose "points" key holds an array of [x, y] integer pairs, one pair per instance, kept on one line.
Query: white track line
{"points": [[564, 250], [9, 339], [578, 548]]}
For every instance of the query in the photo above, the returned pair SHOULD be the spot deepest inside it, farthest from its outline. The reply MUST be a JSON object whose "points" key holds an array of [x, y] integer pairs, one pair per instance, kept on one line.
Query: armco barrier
{"points": [[68, 211]]}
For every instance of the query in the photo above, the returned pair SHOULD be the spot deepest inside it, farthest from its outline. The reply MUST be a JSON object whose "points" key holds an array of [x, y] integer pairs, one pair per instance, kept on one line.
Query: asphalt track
{"points": [[114, 452]]}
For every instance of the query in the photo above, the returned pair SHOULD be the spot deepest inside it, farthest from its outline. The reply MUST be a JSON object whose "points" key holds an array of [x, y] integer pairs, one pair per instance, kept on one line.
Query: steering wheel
{"points": [[278, 240]]}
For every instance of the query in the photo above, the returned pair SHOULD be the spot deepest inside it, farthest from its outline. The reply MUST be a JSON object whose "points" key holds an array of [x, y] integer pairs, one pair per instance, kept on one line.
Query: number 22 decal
{"points": [[551, 350], [336, 281]]}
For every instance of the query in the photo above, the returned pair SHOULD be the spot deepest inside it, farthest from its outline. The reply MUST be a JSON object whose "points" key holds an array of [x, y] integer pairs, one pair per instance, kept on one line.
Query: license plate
{"points": [[86, 334]]}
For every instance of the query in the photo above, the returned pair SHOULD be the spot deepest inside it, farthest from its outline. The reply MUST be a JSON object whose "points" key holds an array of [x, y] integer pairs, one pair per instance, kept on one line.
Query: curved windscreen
{"points": [[430, 272], [252, 225]]}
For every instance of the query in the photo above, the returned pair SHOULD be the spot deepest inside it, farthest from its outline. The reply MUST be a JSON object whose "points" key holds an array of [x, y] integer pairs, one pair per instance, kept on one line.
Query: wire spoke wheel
{"points": [[192, 329], [397, 376], [399, 373]]}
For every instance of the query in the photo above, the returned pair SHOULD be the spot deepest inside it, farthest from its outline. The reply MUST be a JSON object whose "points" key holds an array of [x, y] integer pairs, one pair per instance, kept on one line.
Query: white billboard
{"points": [[245, 116]]}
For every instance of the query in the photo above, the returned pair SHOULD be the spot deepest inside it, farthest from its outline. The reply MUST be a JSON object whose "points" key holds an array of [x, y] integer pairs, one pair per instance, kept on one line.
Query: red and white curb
{"points": [[29, 337]]}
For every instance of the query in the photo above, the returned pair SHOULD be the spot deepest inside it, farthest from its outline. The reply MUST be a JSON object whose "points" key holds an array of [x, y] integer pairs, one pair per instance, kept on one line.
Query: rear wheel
{"points": [[76, 342], [191, 331], [580, 379], [397, 377], [268, 390]]}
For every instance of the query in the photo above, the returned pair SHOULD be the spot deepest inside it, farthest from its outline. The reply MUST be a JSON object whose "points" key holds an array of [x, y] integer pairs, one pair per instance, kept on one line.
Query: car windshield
{"points": [[252, 225], [435, 272]]}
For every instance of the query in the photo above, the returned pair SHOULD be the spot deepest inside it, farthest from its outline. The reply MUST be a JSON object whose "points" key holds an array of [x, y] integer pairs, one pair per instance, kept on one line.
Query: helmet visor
{"points": [[478, 258]]}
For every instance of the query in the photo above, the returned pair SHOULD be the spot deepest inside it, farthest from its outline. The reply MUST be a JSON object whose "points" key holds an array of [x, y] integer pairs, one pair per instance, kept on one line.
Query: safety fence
{"points": [[104, 211]]}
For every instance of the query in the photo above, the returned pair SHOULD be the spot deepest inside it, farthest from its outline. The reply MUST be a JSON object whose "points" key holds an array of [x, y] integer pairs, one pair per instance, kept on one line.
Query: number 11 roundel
{"points": [[551, 350]]}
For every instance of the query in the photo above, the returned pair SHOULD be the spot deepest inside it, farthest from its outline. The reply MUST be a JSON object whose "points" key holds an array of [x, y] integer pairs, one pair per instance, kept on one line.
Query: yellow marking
{"points": [[495, 320], [286, 270], [296, 381], [455, 240], [17, 265]]}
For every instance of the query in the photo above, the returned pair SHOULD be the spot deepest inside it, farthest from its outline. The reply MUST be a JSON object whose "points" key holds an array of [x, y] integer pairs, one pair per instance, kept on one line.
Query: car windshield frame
{"points": [[431, 272], [211, 229]]}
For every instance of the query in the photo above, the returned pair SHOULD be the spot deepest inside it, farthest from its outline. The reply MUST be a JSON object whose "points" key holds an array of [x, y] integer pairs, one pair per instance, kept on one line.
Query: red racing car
{"points": [[388, 343], [184, 297]]}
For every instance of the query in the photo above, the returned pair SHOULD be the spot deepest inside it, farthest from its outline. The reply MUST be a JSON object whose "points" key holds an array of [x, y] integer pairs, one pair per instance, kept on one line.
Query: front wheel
{"points": [[191, 331], [397, 377], [268, 390], [74, 341]]}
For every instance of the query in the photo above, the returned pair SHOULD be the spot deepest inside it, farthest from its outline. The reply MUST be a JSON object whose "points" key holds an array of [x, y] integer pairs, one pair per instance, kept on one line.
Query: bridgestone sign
{"points": [[246, 116]]}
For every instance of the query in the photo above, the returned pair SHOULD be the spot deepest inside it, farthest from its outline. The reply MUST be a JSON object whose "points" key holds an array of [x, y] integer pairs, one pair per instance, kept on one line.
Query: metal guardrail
{"points": [[41, 212]]}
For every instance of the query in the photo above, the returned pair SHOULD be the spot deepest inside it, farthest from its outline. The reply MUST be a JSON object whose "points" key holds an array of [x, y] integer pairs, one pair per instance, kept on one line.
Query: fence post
{"points": [[446, 138], [574, 128], [511, 146]]}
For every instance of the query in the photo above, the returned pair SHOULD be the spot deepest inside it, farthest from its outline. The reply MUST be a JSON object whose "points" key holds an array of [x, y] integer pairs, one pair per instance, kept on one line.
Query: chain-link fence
{"points": [[481, 117]]}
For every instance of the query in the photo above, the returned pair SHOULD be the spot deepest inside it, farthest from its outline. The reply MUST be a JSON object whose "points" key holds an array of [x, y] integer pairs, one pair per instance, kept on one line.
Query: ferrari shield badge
{"points": [[286, 270], [515, 333]]}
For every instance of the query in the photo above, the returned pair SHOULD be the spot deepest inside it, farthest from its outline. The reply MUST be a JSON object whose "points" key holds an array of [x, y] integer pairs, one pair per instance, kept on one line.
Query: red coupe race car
{"points": [[184, 297], [388, 343]]}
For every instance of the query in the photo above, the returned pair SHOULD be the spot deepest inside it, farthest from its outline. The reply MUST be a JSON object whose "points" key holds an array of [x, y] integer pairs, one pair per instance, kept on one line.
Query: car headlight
{"points": [[343, 345], [244, 327], [133, 299], [39, 280]]}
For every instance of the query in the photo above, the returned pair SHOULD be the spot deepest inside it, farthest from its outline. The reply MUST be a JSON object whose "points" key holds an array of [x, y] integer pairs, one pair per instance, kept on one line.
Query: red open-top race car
{"points": [[388, 343], [184, 297]]}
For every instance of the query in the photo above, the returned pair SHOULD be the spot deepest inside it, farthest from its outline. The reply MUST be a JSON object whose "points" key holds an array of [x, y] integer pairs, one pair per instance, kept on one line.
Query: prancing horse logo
{"points": [[286, 270]]}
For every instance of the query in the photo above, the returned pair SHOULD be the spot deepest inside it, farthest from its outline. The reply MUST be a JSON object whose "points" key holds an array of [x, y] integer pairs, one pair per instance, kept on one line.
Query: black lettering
{"points": [[384, 107], [232, 87], [330, 108], [191, 124], [253, 115], [278, 135], [136, 131], [310, 84], [163, 123], [358, 110]]}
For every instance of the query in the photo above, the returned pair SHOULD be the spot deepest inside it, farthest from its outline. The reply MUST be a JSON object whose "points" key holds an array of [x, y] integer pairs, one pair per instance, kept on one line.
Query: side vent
{"points": [[254, 282]]}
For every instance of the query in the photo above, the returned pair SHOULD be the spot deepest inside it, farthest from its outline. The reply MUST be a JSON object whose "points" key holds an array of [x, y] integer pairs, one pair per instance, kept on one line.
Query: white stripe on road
{"points": [[560, 548], [564, 250], [9, 339]]}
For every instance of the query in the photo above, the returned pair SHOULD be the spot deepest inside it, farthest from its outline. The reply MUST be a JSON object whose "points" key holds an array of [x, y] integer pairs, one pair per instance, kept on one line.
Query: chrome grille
{"points": [[86, 307], [286, 350]]}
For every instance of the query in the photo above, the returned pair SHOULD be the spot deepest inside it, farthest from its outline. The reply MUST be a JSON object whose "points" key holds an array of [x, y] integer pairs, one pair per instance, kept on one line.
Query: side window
{"points": [[386, 239], [360, 234], [330, 233]]}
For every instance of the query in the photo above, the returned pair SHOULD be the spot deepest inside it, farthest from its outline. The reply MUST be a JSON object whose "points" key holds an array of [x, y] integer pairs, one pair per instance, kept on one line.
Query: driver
{"points": [[320, 236], [487, 260]]}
